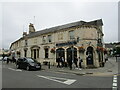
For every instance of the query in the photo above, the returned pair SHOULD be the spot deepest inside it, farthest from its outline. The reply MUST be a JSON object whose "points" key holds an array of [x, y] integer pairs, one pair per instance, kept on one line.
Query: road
{"points": [[16, 78]]}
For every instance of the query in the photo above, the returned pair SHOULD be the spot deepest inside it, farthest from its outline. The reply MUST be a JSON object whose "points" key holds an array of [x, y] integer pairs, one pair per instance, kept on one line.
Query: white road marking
{"points": [[66, 81], [114, 82], [115, 78], [14, 69]]}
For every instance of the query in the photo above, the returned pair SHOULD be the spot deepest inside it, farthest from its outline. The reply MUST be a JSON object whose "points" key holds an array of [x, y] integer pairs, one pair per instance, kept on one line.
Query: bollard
{"points": [[49, 65]]}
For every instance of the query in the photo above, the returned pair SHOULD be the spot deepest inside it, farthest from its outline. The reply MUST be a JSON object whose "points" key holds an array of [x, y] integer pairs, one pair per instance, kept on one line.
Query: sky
{"points": [[16, 17]]}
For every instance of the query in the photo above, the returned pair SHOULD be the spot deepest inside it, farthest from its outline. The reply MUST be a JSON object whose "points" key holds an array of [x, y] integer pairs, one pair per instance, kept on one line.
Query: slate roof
{"points": [[58, 28]]}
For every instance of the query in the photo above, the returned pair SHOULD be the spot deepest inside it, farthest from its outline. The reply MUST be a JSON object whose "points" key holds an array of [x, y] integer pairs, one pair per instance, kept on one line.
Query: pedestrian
{"points": [[80, 62], [106, 57], [3, 55], [70, 62], [13, 59], [58, 62], [62, 61], [75, 62], [7, 60]]}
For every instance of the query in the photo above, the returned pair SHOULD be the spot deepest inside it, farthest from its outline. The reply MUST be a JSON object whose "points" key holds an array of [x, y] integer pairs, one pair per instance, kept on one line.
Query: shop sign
{"points": [[67, 43]]}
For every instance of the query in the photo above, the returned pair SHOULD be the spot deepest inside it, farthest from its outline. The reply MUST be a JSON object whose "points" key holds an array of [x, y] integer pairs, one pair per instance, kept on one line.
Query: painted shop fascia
{"points": [[75, 39]]}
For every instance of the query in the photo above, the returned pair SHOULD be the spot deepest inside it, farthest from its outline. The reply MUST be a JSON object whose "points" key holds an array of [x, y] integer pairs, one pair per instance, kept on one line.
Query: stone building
{"points": [[74, 39]]}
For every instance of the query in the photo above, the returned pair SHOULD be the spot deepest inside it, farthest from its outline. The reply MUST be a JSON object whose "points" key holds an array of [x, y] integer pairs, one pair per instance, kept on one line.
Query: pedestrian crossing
{"points": [[114, 87]]}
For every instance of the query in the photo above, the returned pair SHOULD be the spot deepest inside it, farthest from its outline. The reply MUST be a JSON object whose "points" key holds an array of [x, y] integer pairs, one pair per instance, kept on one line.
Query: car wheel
{"points": [[27, 68], [17, 66]]}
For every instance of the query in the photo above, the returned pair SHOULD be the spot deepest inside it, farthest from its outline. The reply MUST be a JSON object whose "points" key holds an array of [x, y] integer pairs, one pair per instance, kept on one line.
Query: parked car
{"points": [[28, 64]]}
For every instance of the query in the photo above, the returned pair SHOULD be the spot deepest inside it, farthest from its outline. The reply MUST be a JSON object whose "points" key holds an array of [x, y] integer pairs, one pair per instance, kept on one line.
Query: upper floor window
{"points": [[44, 39], [60, 36], [49, 38], [35, 40], [26, 42], [71, 34]]}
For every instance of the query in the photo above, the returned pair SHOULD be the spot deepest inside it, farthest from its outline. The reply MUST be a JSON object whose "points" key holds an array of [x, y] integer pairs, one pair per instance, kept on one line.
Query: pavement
{"points": [[110, 69]]}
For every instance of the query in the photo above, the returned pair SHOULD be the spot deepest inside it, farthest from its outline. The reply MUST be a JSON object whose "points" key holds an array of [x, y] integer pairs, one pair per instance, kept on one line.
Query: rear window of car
{"points": [[30, 60]]}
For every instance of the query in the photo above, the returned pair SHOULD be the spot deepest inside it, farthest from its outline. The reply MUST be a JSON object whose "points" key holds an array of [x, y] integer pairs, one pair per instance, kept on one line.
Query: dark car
{"points": [[28, 64]]}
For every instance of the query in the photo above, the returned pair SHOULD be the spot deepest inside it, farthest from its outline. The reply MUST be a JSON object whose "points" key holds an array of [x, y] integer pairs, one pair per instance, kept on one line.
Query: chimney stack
{"points": [[31, 28], [24, 34]]}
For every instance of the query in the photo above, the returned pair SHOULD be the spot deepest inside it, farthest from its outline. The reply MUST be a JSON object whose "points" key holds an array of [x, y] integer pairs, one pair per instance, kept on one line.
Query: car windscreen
{"points": [[30, 60]]}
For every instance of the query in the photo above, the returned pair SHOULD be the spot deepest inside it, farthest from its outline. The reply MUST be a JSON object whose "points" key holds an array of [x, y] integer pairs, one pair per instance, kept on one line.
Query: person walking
{"points": [[13, 59], [70, 62], [62, 61], [80, 62], [58, 61], [75, 62], [106, 57], [7, 60]]}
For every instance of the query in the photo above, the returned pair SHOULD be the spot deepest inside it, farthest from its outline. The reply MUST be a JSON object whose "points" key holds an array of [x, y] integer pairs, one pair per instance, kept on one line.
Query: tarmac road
{"points": [[15, 78]]}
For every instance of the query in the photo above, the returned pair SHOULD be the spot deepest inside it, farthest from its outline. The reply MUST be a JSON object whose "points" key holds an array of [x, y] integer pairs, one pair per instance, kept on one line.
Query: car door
{"points": [[20, 62], [25, 63]]}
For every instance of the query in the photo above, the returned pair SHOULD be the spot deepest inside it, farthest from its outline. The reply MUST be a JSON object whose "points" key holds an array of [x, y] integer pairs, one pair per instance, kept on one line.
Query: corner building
{"points": [[77, 39]]}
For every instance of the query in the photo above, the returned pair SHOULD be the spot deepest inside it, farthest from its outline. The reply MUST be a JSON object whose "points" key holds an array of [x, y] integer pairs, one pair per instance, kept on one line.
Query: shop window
{"points": [[46, 52]]}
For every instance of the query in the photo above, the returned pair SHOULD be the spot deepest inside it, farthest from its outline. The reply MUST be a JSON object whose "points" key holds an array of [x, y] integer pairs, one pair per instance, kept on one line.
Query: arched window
{"points": [[60, 52]]}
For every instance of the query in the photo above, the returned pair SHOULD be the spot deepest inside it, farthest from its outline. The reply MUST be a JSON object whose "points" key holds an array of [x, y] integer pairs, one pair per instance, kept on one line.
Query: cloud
{"points": [[17, 16]]}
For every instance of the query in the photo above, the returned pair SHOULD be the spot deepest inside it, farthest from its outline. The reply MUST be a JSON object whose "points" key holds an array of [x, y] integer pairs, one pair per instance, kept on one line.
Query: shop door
{"points": [[71, 53], [89, 54], [60, 53]]}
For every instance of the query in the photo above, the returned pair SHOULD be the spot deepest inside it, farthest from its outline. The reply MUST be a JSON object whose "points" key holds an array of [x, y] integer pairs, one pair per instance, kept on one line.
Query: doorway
{"points": [[89, 54], [60, 53], [71, 53]]}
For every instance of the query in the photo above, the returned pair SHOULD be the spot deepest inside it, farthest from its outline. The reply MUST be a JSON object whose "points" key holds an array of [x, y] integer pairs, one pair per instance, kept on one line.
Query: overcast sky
{"points": [[17, 16]]}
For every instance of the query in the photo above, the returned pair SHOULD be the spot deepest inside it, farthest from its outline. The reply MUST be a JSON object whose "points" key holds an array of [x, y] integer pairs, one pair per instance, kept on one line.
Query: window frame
{"points": [[46, 53], [49, 38], [71, 34], [44, 39]]}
